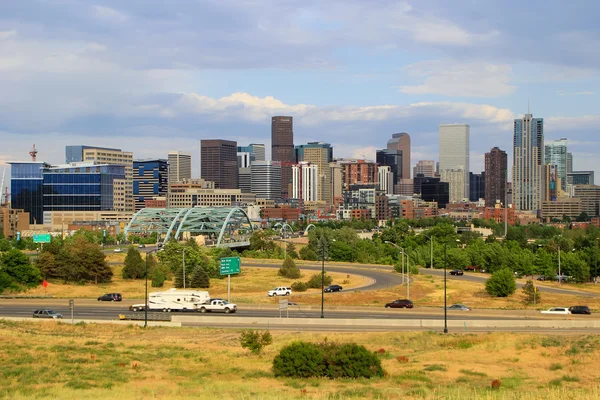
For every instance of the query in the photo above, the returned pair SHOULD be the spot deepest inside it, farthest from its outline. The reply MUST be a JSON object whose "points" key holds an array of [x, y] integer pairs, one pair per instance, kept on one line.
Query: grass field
{"points": [[55, 360]]}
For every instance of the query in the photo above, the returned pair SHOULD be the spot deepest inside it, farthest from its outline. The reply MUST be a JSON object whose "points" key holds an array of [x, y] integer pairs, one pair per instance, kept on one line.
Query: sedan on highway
{"points": [[557, 310], [458, 307], [400, 304], [47, 314], [333, 288]]}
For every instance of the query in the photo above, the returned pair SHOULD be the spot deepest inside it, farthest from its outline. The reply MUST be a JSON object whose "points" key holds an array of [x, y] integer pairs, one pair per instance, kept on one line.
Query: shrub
{"points": [[299, 286], [289, 269], [255, 341], [200, 279], [501, 283], [315, 281], [158, 278], [135, 267], [530, 293], [496, 384], [402, 359], [331, 360]]}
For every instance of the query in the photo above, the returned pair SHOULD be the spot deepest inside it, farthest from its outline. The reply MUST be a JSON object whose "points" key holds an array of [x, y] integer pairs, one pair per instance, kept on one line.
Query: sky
{"points": [[150, 76]]}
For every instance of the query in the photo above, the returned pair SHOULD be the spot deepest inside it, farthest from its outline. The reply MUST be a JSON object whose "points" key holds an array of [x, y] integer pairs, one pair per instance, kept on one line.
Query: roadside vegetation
{"points": [[88, 361]]}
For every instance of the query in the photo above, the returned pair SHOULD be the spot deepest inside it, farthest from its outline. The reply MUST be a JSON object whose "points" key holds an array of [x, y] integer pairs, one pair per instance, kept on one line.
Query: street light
{"points": [[402, 254], [146, 303], [323, 244], [445, 297], [431, 240]]}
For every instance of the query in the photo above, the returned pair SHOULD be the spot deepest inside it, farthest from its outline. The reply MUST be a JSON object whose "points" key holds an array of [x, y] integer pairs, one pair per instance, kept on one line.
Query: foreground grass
{"points": [[54, 360]]}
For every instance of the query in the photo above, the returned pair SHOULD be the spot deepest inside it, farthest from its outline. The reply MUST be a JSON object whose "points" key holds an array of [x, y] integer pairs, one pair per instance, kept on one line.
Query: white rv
{"points": [[174, 300]]}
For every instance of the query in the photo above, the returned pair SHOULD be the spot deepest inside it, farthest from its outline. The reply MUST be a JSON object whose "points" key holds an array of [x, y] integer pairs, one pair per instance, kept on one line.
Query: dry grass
{"points": [[56, 360]]}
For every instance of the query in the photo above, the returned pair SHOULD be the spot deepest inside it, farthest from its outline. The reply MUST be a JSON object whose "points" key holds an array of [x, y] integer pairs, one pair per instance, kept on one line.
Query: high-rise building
{"points": [[476, 186], [150, 179], [319, 154], [454, 152], [245, 159], [425, 167], [401, 142], [393, 159], [218, 163], [257, 150], [385, 179], [496, 172], [551, 185], [245, 179], [556, 154], [456, 180], [432, 189], [590, 199], [266, 179], [305, 178], [528, 156], [337, 180], [357, 172], [27, 188], [123, 190], [282, 149], [580, 178], [569, 163], [180, 166]]}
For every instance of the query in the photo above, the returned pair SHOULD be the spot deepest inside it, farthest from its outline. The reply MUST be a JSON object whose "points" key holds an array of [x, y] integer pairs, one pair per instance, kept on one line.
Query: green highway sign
{"points": [[41, 238], [230, 265]]}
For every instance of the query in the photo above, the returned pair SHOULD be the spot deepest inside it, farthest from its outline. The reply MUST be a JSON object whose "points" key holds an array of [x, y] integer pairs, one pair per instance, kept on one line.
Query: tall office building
{"points": [[27, 188], [282, 149], [337, 180], [257, 150], [319, 154], [454, 152], [266, 179], [425, 167], [580, 178], [385, 179], [218, 163], [357, 172], [569, 163], [305, 181], [476, 186], [556, 154], [245, 159], [393, 159], [245, 179], [496, 173], [456, 180], [123, 190], [432, 189], [150, 179], [528, 157], [401, 142], [180, 166]]}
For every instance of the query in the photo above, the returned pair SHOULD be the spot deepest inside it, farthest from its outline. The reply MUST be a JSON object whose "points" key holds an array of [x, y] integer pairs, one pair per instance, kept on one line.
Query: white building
{"points": [[456, 181], [385, 178], [265, 178], [454, 151], [305, 181], [528, 156], [180, 166]]}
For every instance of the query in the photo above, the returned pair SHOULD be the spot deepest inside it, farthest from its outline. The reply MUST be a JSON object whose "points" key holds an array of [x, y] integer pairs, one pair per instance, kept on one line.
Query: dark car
{"points": [[400, 304], [541, 278], [47, 314], [333, 288], [457, 272], [580, 310], [110, 297]]}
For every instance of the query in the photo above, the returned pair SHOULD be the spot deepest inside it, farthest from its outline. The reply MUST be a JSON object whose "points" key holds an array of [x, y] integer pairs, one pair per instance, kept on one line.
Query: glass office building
{"points": [[26, 187], [150, 179], [80, 187]]}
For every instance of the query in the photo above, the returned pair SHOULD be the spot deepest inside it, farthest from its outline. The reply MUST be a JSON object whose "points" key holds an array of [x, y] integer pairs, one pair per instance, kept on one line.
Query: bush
{"points": [[307, 253], [501, 283], [255, 341], [135, 267], [530, 294], [158, 278], [315, 281], [331, 360], [289, 269], [299, 286]]}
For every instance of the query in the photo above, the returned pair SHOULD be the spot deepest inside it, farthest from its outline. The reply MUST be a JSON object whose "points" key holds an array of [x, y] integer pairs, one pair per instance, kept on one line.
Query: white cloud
{"points": [[451, 78], [583, 123], [7, 34], [109, 14]]}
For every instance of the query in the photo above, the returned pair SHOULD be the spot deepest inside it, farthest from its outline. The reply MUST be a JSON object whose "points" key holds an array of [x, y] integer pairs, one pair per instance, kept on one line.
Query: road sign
{"points": [[41, 238], [283, 304], [230, 265]]}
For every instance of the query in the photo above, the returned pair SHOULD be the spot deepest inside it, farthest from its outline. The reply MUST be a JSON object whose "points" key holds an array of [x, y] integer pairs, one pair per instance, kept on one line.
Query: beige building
{"points": [[319, 154], [123, 189], [337, 180], [13, 221], [456, 181], [60, 220], [561, 207], [194, 197], [590, 199]]}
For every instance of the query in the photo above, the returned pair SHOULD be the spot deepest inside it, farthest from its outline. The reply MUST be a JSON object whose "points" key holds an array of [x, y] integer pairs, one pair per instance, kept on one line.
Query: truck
{"points": [[174, 300], [218, 305]]}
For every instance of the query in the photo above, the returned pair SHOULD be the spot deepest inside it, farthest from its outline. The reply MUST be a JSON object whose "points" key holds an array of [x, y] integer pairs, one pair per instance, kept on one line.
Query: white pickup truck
{"points": [[218, 305]]}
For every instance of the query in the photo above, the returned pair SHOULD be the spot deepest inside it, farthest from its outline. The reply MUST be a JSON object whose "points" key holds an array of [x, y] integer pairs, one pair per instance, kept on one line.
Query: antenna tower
{"points": [[33, 153]]}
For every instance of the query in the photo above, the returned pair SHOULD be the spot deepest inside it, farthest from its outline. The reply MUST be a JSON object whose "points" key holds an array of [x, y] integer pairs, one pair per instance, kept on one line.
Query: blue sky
{"points": [[150, 76]]}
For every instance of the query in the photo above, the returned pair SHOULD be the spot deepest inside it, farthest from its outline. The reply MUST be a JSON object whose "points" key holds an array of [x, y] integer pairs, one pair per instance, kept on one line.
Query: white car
{"points": [[280, 291], [557, 310], [119, 250]]}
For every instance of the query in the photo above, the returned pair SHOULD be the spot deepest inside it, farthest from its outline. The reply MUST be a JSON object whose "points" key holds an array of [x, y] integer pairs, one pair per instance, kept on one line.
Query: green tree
{"points": [[18, 267], [81, 261], [135, 267], [5, 245], [289, 269], [158, 278], [502, 283], [200, 279], [308, 253], [46, 263], [291, 250], [530, 293], [179, 277]]}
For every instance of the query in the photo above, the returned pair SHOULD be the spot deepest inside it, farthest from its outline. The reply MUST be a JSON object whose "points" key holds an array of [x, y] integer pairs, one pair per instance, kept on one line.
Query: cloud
{"points": [[561, 93], [109, 14], [7, 34], [451, 78]]}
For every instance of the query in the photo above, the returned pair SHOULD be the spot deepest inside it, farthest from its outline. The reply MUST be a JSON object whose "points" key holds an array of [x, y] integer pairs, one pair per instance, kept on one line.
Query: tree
{"points": [[5, 244], [82, 261], [135, 267], [179, 277], [583, 217], [530, 293], [158, 278], [308, 253], [46, 263], [200, 279], [502, 283], [18, 267], [289, 269], [291, 250]]}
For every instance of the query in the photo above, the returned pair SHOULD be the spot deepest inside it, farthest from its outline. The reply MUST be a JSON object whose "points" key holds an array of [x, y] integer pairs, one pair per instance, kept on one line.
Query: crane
{"points": [[3, 199], [33, 153]]}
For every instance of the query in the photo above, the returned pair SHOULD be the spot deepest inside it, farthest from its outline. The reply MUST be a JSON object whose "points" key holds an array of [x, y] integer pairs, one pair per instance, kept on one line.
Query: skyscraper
{"points": [[425, 167], [218, 163], [454, 151], [456, 180], [569, 163], [305, 178], [180, 166], [266, 179], [319, 154], [496, 170], [257, 150], [393, 159], [477, 186], [401, 142], [282, 149], [150, 179], [528, 155], [386, 179], [556, 154]]}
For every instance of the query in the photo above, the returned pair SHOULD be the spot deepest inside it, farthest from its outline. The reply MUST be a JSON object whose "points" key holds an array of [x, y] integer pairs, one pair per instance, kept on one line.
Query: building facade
{"points": [[358, 172], [257, 151], [528, 156], [209, 198], [555, 153], [580, 177], [454, 151], [305, 181], [27, 188], [476, 186], [401, 142], [218, 163], [385, 178], [180, 166], [265, 178], [282, 149], [319, 154], [150, 179], [456, 184], [432, 189], [425, 167], [590, 199], [496, 173]]}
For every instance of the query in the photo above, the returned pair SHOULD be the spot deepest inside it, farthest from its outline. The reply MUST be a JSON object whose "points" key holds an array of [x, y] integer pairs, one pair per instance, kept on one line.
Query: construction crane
{"points": [[3, 190], [33, 153]]}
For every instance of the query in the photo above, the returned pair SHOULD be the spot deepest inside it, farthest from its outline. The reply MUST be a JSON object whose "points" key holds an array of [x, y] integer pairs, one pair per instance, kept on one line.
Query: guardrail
{"points": [[152, 316], [25, 297]]}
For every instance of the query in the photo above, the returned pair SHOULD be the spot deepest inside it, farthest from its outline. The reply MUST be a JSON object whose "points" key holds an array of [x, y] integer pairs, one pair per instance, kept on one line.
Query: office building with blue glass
{"points": [[27, 188], [150, 179]]}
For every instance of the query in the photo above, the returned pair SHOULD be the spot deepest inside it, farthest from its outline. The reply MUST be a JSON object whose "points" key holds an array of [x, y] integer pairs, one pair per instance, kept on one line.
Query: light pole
{"points": [[407, 275], [445, 304], [430, 240], [146, 303], [323, 244], [402, 254]]}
